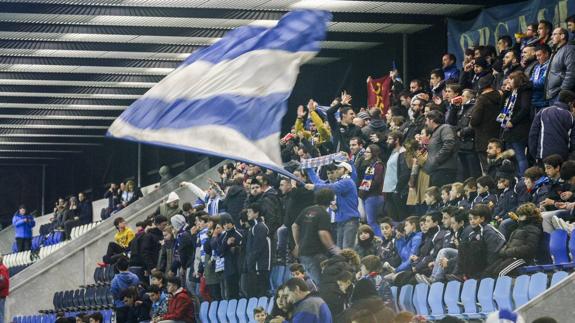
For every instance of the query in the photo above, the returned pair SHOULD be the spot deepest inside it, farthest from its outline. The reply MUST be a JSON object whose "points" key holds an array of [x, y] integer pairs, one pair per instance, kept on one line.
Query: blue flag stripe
{"points": [[296, 31], [247, 119]]}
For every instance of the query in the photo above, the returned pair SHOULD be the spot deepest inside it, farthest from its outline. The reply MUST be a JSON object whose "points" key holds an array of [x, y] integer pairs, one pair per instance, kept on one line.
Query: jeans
{"points": [[520, 156], [311, 266], [2, 305], [347, 233], [438, 272], [373, 206], [548, 219]]}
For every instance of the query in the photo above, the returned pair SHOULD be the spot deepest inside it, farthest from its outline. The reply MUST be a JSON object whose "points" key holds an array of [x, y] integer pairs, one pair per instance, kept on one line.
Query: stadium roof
{"points": [[68, 68]]}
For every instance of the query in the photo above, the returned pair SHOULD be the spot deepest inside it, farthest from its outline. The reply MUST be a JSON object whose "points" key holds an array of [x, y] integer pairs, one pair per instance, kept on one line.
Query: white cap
{"points": [[345, 165], [173, 197]]}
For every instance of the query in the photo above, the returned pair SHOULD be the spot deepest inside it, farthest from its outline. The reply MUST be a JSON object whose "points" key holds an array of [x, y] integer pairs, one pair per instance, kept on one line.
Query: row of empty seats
{"points": [[83, 299], [233, 311], [51, 318], [80, 230], [462, 300], [43, 240], [562, 251]]}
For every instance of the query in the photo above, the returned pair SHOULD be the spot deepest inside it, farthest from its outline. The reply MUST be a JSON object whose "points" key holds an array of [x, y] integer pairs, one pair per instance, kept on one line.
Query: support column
{"points": [[43, 189], [404, 52], [139, 165]]}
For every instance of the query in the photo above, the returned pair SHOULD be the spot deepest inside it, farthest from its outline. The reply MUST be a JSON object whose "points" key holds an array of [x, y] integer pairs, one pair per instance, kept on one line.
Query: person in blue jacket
{"points": [[347, 214], [407, 246], [23, 224]]}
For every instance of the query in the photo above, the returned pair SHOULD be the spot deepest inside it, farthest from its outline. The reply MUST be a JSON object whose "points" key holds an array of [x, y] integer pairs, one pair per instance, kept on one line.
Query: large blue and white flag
{"points": [[229, 99]]}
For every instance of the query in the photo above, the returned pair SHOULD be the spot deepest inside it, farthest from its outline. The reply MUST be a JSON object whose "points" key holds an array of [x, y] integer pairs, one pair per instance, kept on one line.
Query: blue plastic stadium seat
{"points": [[277, 276], [502, 293], [252, 303], [451, 298], [469, 299], [222, 311], [270, 306], [557, 277], [241, 310], [231, 311], [420, 299], [263, 302], [406, 298], [435, 301], [485, 296], [394, 294], [213, 311], [558, 248], [204, 307], [537, 285], [521, 290]]}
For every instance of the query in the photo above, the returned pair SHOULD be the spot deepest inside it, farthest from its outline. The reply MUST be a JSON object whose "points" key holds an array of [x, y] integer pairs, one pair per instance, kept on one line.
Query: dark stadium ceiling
{"points": [[68, 68]]}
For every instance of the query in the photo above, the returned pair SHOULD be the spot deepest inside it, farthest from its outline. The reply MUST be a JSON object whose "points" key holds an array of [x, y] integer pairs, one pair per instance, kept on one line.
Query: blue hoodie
{"points": [[23, 229], [346, 196], [311, 309], [120, 282]]}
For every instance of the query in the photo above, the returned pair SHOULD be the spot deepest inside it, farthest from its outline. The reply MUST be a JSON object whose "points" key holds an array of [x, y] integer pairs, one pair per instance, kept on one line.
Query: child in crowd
{"points": [[260, 315], [457, 196], [470, 189], [433, 199], [298, 271], [445, 195], [367, 242], [507, 199], [485, 187], [387, 252], [371, 268], [535, 188]]}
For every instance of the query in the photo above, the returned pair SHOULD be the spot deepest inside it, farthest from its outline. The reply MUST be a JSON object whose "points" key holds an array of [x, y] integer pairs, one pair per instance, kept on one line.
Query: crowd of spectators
{"points": [[463, 176]]}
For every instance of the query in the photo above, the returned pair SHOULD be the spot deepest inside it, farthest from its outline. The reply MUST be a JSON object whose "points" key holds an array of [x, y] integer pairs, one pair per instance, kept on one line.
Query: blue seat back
{"points": [[420, 299], [204, 307], [485, 295], [213, 311], [270, 306], [468, 296], [231, 310], [537, 285], [572, 245], [241, 310], [263, 302], [252, 304], [223, 311], [502, 293], [277, 276], [521, 290], [558, 246], [406, 298], [435, 298], [451, 297], [558, 276]]}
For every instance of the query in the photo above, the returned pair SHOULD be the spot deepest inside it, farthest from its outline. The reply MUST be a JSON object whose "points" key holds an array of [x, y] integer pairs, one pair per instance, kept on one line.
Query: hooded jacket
{"points": [[406, 247], [272, 209], [150, 247], [120, 282], [346, 196], [23, 225], [552, 132], [524, 241], [180, 308], [483, 119], [233, 203], [311, 309]]}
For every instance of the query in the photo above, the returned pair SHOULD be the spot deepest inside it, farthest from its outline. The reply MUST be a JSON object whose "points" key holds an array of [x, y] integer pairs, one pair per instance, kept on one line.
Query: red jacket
{"points": [[4, 281], [180, 308]]}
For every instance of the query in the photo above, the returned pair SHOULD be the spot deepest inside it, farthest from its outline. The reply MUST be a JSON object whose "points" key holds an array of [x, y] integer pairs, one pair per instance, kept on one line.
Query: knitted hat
{"points": [[363, 115], [225, 218], [485, 82], [178, 222], [481, 61], [506, 170]]}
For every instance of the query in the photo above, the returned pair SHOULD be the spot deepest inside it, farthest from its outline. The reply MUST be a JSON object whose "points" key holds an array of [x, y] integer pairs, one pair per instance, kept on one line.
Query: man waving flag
{"points": [[229, 99]]}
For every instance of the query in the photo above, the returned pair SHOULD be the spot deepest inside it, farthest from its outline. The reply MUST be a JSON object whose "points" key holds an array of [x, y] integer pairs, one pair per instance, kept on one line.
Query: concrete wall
{"points": [[73, 265], [556, 302]]}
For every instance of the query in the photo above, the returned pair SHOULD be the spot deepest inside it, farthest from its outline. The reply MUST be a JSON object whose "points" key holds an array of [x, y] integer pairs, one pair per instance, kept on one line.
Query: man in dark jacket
{"points": [[150, 243], [417, 123], [553, 129], [230, 243], [511, 63], [441, 164], [233, 200], [344, 130], [484, 118], [561, 70], [528, 60], [271, 205], [258, 253], [295, 198], [85, 209]]}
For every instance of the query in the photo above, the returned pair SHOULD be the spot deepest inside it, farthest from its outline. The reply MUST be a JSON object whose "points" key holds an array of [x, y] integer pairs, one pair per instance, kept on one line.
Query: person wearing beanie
{"points": [[367, 242], [23, 224]]}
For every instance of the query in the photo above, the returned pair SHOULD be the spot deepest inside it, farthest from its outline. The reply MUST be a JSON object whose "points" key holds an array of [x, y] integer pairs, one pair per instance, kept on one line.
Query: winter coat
{"points": [[538, 78], [523, 242], [552, 132], [492, 239], [150, 247], [406, 247], [536, 195], [483, 119], [272, 209], [388, 253], [561, 71], [187, 249], [493, 165], [507, 202], [520, 118], [414, 127], [231, 253], [180, 308], [258, 247], [120, 282], [4, 281], [367, 247], [311, 309], [441, 150], [528, 70], [234, 202], [460, 119], [23, 225], [328, 287], [85, 212], [341, 134]]}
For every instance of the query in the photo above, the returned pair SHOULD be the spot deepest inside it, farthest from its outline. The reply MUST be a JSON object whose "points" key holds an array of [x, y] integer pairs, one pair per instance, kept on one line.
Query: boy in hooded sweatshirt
{"points": [[23, 225], [120, 282]]}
